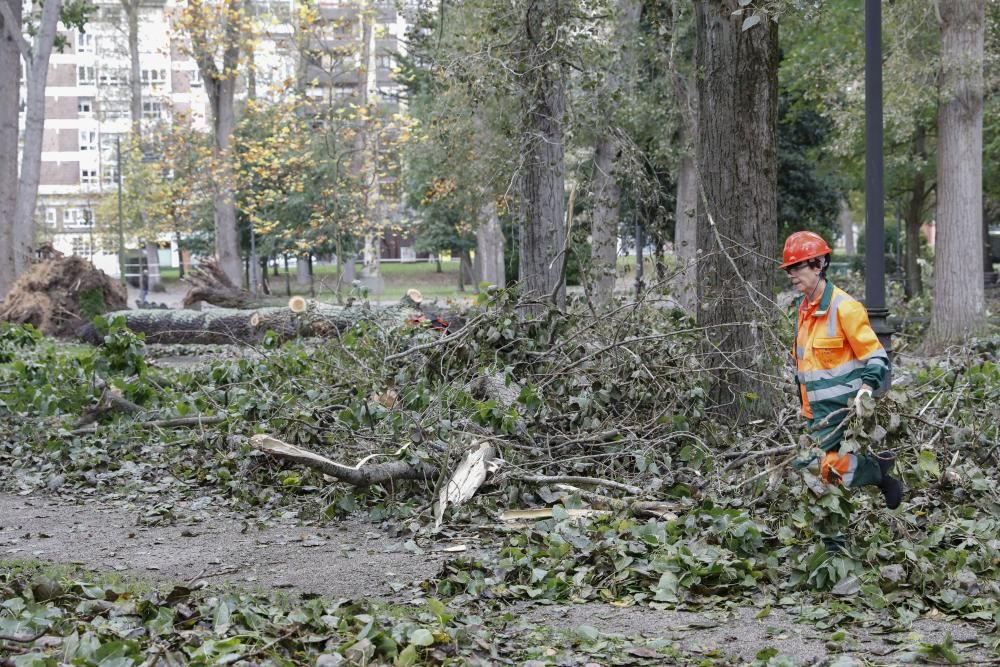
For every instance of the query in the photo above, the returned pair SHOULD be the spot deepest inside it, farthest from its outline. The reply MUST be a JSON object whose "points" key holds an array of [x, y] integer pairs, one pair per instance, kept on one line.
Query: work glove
{"points": [[864, 404]]}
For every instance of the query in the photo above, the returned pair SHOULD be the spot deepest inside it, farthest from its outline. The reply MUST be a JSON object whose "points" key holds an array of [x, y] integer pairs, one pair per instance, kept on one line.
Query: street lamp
{"points": [[874, 188]]}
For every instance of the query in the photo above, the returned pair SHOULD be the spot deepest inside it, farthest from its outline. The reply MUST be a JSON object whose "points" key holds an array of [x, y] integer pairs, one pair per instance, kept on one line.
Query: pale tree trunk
{"points": [[36, 59], [685, 214], [10, 85], [362, 166], [302, 271], [131, 9], [221, 88], [466, 275], [490, 245], [541, 212], [737, 219], [915, 215], [958, 310], [607, 187], [604, 222], [846, 227]]}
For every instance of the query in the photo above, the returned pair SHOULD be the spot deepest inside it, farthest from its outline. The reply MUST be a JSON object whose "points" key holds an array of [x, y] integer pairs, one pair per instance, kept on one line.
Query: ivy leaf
{"points": [[750, 22]]}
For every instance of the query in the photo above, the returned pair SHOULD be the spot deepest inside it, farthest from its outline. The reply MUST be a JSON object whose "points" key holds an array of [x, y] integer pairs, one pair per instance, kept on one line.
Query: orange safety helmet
{"points": [[801, 246]]}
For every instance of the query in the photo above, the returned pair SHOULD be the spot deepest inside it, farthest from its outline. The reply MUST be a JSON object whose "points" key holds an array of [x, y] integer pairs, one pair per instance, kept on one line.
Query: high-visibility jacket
{"points": [[836, 351]]}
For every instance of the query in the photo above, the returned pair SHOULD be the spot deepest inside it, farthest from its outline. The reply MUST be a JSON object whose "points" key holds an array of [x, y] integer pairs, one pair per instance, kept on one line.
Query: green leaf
{"points": [[927, 462], [421, 637], [407, 657]]}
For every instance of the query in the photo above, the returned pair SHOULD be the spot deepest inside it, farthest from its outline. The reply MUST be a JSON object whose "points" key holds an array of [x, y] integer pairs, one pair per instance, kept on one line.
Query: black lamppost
{"points": [[874, 189]]}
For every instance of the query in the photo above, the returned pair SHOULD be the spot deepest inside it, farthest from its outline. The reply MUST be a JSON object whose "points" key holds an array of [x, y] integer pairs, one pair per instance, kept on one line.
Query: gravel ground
{"points": [[356, 559]]}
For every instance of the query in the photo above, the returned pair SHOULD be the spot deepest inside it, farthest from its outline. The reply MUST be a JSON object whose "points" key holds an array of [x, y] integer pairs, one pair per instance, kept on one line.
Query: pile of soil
{"points": [[60, 295]]}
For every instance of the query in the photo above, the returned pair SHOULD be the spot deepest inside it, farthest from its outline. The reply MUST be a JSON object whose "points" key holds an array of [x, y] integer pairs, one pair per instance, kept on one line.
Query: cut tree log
{"points": [[230, 325], [210, 284], [360, 475]]}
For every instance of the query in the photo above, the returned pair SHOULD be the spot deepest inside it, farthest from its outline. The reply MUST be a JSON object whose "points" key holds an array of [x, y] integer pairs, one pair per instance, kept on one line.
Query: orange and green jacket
{"points": [[836, 351]]}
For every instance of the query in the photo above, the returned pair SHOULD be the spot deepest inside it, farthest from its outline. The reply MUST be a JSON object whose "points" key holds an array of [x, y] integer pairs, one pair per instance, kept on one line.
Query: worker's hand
{"points": [[864, 404]]}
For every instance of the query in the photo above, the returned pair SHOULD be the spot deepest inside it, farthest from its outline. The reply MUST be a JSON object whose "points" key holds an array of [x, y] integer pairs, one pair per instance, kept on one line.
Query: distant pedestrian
{"points": [[144, 285]]}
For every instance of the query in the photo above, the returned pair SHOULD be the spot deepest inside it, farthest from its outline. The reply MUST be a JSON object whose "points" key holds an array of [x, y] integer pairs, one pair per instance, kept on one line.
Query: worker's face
{"points": [[804, 278]]}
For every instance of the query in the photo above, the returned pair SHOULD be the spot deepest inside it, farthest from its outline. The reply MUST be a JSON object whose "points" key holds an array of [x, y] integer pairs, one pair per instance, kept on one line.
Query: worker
{"points": [[839, 363]]}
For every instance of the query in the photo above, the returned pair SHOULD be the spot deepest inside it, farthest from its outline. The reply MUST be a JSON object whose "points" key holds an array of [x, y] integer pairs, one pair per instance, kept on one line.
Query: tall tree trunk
{"points": [[959, 309], [131, 10], [607, 187], [915, 215], [542, 209], [10, 85], [490, 245], [220, 85], [302, 271], [36, 59], [604, 221], [466, 275], [685, 215], [846, 227], [737, 220]]}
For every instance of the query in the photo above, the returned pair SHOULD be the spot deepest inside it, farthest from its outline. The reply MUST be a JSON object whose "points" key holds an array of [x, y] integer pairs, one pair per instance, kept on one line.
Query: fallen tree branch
{"points": [[575, 479], [18, 639], [367, 475], [177, 422], [639, 508]]}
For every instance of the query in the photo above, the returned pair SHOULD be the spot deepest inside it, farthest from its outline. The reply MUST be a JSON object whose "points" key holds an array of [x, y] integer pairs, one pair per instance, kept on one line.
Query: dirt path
{"points": [[349, 559], [354, 559]]}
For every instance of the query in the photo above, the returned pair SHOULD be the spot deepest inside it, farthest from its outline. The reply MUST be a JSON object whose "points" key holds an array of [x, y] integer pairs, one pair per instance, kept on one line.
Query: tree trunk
{"points": [[225, 325], [227, 245], [915, 215], [10, 85], [607, 188], [737, 219], [131, 9], [153, 262], [36, 75], [541, 212], [466, 274], [958, 310], [220, 85], [685, 214], [490, 245], [847, 228], [302, 271], [604, 221]]}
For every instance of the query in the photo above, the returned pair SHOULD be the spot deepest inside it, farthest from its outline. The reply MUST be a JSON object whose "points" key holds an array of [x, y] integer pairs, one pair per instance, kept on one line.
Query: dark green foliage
{"points": [[808, 194]]}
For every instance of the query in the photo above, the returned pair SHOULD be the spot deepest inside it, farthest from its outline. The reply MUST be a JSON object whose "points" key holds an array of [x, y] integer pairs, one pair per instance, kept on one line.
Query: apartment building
{"points": [[88, 101]]}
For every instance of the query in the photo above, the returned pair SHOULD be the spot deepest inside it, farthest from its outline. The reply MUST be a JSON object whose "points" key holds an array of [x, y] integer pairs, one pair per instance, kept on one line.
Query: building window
{"points": [[108, 140], [85, 76], [50, 217], [154, 76], [81, 246], [85, 105], [84, 42], [153, 110], [194, 78], [88, 177], [88, 140], [77, 218], [341, 92], [109, 174], [386, 61]]}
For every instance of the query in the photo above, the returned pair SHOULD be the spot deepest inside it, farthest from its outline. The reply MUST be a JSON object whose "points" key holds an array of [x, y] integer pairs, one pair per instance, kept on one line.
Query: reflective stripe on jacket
{"points": [[836, 351]]}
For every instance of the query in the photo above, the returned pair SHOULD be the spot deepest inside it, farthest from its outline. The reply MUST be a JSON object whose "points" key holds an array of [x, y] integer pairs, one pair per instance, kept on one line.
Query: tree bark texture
{"points": [[542, 209], [302, 271], [604, 221], [220, 85], [10, 85], [229, 325], [606, 185], [959, 309], [490, 245], [36, 75], [737, 215], [915, 215], [685, 216], [131, 9], [846, 228]]}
